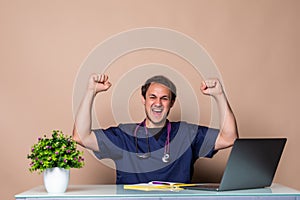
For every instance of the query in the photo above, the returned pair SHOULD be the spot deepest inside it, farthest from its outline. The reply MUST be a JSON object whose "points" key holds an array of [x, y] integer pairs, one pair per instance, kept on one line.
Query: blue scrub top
{"points": [[188, 142]]}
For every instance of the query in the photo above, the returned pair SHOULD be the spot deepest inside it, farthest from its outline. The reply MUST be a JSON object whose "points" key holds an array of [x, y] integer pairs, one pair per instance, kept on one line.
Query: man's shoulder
{"points": [[188, 125], [184, 125], [127, 127]]}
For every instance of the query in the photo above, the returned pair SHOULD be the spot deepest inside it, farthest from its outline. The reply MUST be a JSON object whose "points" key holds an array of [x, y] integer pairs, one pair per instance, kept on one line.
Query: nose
{"points": [[157, 102]]}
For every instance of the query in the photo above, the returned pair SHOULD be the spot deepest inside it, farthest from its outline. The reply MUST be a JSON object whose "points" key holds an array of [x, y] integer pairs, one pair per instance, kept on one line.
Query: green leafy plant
{"points": [[58, 151]]}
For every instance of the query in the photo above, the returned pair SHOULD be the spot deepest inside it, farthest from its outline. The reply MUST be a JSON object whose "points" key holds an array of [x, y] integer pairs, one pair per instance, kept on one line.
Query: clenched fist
{"points": [[211, 87], [99, 83]]}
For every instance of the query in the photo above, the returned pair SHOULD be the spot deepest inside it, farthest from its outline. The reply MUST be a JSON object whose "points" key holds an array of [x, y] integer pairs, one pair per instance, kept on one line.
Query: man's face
{"points": [[157, 105]]}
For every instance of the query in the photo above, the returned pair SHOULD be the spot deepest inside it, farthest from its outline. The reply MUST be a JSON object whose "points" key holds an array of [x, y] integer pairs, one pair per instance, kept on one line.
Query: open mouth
{"points": [[157, 111]]}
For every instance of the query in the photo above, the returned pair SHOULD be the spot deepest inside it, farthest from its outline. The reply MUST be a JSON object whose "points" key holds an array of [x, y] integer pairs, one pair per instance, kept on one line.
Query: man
{"points": [[155, 149]]}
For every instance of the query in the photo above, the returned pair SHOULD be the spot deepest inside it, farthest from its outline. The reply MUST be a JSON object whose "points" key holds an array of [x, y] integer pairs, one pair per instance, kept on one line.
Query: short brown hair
{"points": [[162, 80]]}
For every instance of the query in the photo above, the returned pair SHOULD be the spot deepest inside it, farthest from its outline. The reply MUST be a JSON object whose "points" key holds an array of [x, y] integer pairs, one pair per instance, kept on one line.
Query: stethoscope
{"points": [[166, 156]]}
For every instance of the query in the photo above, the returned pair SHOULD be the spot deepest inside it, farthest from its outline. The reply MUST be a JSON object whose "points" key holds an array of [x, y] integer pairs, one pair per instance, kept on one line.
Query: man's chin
{"points": [[157, 120], [158, 123]]}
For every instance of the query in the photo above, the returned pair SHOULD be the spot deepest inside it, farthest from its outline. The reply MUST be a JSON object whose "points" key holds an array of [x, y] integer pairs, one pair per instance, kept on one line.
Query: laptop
{"points": [[252, 163]]}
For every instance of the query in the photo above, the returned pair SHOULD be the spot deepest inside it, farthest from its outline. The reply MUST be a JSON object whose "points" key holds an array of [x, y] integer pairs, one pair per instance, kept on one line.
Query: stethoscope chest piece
{"points": [[166, 158]]}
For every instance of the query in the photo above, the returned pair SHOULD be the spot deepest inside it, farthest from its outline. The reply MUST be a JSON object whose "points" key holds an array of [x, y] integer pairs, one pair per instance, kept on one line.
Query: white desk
{"points": [[84, 192]]}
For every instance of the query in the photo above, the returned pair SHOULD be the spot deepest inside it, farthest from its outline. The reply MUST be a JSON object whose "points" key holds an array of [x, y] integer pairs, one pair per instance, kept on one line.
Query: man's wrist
{"points": [[90, 93], [220, 97]]}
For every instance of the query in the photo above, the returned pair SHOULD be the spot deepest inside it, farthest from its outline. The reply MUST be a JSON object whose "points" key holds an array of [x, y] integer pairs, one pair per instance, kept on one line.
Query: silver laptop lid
{"points": [[252, 163]]}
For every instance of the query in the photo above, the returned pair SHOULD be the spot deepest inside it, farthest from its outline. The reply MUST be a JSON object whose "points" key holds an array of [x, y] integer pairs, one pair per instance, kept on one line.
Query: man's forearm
{"points": [[228, 126], [82, 132]]}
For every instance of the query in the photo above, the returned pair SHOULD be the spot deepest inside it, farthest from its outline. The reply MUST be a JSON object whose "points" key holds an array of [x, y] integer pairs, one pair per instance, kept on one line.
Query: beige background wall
{"points": [[255, 45]]}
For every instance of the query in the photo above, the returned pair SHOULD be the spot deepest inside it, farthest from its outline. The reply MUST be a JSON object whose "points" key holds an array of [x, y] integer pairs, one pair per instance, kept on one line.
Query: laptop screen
{"points": [[252, 163]]}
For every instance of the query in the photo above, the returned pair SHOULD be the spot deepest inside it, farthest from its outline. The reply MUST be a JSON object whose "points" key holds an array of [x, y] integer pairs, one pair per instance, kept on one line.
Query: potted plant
{"points": [[54, 157]]}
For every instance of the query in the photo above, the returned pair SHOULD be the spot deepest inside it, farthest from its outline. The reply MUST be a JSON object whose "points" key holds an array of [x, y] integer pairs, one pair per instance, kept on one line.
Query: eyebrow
{"points": [[164, 96]]}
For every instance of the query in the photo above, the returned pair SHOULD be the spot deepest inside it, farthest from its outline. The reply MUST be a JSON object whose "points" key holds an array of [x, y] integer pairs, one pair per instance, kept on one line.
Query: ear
{"points": [[143, 100], [172, 103]]}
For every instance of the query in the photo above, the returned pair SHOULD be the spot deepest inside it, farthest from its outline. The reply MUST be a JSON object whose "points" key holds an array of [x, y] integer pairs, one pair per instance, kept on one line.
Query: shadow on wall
{"points": [[211, 170]]}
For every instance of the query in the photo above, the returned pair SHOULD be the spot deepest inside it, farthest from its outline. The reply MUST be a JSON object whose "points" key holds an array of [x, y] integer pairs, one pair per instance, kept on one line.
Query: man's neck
{"points": [[149, 124]]}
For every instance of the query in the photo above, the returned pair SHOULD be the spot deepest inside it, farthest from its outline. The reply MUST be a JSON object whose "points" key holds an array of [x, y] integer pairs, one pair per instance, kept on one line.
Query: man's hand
{"points": [[211, 87], [99, 83]]}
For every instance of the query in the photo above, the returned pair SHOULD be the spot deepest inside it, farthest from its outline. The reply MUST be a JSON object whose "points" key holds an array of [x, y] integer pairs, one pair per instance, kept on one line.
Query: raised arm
{"points": [[82, 132], [228, 127]]}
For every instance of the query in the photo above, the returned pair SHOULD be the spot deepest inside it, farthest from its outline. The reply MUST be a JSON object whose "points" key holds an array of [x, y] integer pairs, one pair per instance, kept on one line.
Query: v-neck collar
{"points": [[161, 141]]}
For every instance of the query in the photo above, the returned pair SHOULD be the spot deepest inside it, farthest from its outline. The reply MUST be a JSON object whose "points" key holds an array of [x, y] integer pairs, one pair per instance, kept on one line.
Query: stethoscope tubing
{"points": [[166, 155]]}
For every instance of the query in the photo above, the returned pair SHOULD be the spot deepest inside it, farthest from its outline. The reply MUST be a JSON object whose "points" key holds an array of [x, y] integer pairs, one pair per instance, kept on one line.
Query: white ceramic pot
{"points": [[56, 180]]}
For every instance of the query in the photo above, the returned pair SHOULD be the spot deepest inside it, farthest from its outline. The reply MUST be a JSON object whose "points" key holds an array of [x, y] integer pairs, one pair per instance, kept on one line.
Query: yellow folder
{"points": [[157, 186]]}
